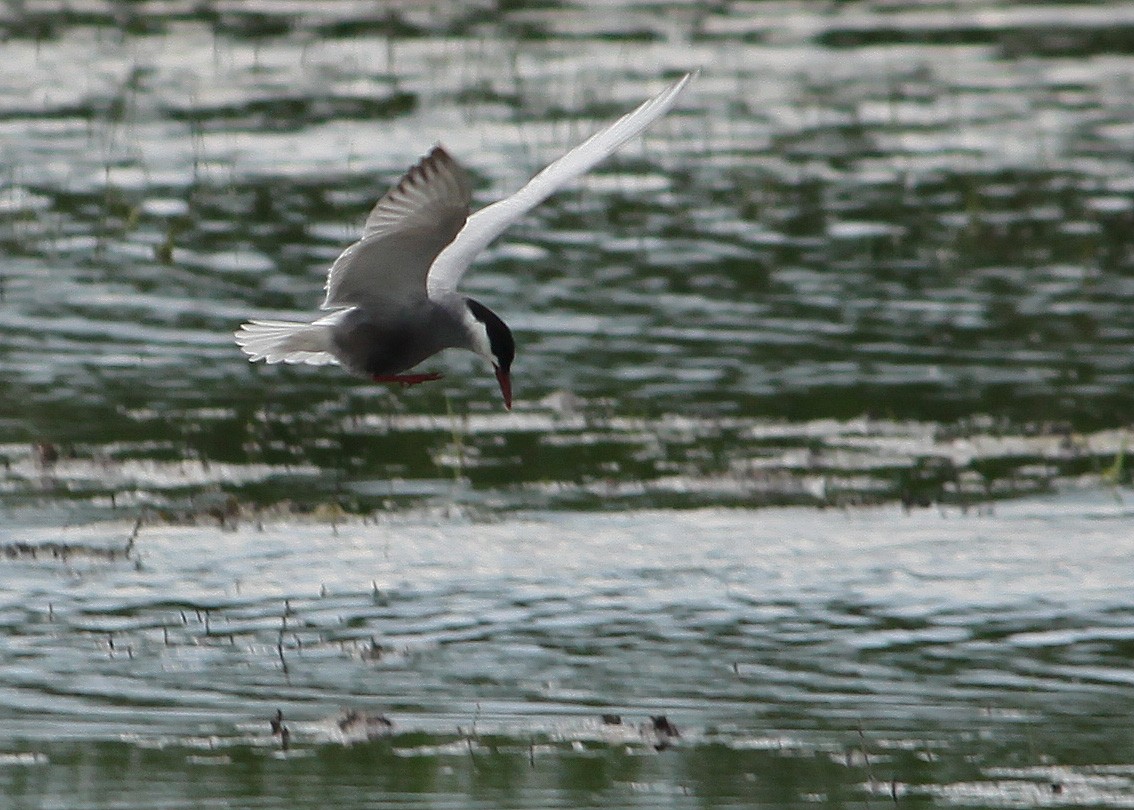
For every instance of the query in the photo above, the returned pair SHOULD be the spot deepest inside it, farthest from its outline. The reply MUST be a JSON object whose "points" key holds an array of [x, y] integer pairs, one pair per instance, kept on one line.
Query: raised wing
{"points": [[491, 221], [405, 231]]}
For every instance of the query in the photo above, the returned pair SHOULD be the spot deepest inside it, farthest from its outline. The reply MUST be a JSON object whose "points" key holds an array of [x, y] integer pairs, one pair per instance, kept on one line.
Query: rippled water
{"points": [[867, 651], [820, 441]]}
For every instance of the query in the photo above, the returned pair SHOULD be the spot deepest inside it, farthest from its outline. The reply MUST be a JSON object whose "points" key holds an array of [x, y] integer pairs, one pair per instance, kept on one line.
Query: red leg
{"points": [[405, 379]]}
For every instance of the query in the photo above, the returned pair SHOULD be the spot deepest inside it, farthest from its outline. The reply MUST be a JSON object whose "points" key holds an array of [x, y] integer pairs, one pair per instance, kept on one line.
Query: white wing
{"points": [[491, 221], [405, 231]]}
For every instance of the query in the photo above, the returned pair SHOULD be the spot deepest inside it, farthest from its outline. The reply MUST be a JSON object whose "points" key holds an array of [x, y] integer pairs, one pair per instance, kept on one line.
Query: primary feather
{"points": [[491, 221]]}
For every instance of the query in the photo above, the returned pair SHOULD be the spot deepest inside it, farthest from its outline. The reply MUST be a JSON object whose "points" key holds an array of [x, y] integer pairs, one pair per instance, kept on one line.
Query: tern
{"points": [[393, 293]]}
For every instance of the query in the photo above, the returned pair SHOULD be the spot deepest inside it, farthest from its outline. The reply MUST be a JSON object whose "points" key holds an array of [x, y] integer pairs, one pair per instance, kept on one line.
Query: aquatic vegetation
{"points": [[543, 458]]}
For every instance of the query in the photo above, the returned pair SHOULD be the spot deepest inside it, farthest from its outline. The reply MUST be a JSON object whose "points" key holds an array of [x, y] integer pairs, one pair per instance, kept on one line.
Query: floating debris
{"points": [[65, 551], [373, 651], [358, 726], [660, 732], [280, 730]]}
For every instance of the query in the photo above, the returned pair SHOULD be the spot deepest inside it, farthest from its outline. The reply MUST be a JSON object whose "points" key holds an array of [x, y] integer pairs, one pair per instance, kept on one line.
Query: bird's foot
{"points": [[405, 379]]}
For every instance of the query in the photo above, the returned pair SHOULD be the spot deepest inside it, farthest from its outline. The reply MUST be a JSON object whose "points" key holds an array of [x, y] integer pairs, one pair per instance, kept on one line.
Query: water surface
{"points": [[819, 449], [934, 654]]}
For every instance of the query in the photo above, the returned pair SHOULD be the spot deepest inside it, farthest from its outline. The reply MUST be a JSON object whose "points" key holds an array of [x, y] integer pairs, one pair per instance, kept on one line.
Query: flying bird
{"points": [[393, 293]]}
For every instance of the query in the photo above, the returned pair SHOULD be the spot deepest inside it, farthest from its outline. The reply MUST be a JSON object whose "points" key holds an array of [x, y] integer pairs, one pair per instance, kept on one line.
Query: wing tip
{"points": [[689, 75]]}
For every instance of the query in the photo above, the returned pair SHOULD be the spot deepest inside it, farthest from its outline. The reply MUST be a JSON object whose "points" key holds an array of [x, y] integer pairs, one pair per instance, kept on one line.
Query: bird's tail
{"points": [[286, 342]]}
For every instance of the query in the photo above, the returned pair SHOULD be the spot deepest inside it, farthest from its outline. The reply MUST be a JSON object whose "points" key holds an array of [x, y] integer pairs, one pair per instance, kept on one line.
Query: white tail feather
{"points": [[286, 342]]}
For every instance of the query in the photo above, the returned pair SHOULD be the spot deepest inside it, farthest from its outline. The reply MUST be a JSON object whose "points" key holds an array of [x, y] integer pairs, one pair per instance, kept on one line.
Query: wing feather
{"points": [[491, 221], [402, 236]]}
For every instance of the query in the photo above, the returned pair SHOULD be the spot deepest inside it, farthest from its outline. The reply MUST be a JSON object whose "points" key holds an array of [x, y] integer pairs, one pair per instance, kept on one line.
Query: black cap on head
{"points": [[499, 335], [501, 345]]}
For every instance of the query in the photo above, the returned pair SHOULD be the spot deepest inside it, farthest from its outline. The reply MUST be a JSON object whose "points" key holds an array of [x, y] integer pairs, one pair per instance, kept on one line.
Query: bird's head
{"points": [[492, 340]]}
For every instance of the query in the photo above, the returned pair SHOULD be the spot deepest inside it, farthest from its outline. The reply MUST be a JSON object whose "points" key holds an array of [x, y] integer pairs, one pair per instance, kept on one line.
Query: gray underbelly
{"points": [[367, 347]]}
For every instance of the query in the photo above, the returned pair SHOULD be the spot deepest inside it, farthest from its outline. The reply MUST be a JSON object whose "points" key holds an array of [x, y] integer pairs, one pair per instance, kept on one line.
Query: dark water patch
{"points": [[497, 772], [286, 113], [958, 35], [45, 24], [253, 24], [1063, 41], [389, 24]]}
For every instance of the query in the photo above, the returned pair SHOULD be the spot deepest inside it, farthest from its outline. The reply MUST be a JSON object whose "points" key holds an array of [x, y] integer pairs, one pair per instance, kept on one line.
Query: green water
{"points": [[820, 437]]}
